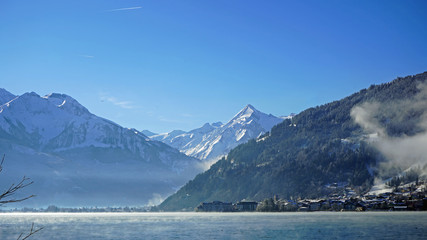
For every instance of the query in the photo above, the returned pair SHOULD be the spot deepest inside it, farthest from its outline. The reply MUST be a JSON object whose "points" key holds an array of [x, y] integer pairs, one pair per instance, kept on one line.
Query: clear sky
{"points": [[165, 65]]}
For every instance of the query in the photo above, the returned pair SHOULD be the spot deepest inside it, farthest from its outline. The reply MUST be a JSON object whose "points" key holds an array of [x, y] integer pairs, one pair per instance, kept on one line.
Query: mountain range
{"points": [[212, 141], [79, 159], [373, 134], [76, 158]]}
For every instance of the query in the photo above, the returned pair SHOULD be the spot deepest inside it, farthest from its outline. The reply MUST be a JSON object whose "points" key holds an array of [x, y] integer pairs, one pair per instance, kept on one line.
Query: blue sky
{"points": [[165, 65]]}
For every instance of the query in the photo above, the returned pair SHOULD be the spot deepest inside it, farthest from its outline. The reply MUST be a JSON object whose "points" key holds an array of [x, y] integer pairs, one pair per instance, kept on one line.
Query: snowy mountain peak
{"points": [[39, 120], [59, 141], [211, 141], [247, 112], [58, 122], [67, 103], [249, 109], [249, 106]]}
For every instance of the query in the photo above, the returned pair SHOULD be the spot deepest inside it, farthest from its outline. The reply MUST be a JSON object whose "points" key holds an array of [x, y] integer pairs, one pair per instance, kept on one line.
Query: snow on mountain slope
{"points": [[212, 141], [84, 152], [166, 136]]}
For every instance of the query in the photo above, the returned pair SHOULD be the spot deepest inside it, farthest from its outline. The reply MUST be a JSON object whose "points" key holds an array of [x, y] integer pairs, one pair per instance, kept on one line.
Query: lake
{"points": [[314, 225]]}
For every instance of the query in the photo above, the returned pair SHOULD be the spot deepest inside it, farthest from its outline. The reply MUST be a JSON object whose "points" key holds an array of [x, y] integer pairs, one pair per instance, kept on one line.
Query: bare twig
{"points": [[32, 231], [13, 189], [6, 197]]}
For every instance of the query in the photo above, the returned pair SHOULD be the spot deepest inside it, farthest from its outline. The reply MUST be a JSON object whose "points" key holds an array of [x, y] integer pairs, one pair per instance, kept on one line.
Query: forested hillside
{"points": [[302, 156]]}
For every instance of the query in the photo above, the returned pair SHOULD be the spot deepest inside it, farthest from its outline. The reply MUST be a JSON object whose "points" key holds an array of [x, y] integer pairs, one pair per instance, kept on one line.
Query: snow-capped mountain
{"points": [[77, 158], [212, 141]]}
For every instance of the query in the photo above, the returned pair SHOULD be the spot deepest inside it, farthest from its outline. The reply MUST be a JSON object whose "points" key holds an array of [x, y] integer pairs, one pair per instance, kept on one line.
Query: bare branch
{"points": [[5, 197], [13, 189], [32, 231]]}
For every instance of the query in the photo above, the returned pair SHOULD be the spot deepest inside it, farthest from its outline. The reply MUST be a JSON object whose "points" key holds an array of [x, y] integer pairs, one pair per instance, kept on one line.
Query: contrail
{"points": [[124, 9]]}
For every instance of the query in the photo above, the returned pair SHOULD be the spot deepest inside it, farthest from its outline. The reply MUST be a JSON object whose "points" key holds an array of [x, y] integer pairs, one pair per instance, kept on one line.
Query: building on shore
{"points": [[246, 206]]}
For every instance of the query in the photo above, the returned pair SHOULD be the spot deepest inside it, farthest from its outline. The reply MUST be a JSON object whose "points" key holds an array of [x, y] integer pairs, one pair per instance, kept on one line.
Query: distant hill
{"points": [[213, 141], [305, 155], [79, 159]]}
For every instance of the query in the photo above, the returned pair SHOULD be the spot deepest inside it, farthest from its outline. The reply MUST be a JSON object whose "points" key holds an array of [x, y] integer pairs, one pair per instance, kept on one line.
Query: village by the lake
{"points": [[408, 197]]}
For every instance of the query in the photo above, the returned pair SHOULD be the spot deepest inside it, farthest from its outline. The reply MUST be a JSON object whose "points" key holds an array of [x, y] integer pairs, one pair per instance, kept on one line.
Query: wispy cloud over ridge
{"points": [[124, 9]]}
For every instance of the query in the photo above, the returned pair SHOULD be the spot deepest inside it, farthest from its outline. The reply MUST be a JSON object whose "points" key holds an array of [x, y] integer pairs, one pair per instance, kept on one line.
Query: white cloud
{"points": [[404, 150], [124, 9], [155, 200], [117, 102], [87, 56]]}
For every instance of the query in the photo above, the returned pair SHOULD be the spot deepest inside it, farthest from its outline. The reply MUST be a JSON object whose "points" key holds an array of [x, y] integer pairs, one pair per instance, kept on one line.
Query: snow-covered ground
{"points": [[380, 187]]}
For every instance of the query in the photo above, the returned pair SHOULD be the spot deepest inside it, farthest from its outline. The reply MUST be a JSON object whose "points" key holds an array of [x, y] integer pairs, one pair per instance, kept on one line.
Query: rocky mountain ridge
{"points": [[70, 152], [213, 141]]}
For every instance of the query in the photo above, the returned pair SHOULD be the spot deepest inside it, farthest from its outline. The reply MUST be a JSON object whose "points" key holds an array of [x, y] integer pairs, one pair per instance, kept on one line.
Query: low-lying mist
{"points": [[398, 130]]}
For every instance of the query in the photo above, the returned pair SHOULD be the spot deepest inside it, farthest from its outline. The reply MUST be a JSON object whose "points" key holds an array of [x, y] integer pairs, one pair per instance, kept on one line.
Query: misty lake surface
{"points": [[317, 225]]}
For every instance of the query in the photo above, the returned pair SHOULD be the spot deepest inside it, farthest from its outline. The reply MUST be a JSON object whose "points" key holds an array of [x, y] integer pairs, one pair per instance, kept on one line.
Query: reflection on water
{"points": [[318, 225]]}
